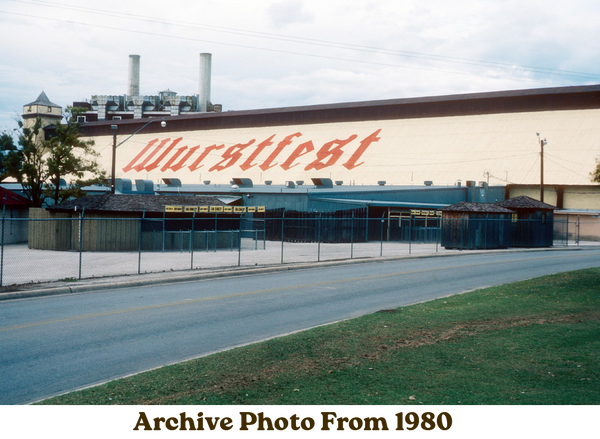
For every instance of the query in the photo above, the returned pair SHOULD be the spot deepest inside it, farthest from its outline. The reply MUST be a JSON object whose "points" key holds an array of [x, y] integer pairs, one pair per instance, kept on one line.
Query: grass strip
{"points": [[532, 342]]}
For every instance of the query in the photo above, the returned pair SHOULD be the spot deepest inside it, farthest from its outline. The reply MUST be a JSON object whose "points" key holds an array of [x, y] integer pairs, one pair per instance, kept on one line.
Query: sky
{"points": [[281, 53]]}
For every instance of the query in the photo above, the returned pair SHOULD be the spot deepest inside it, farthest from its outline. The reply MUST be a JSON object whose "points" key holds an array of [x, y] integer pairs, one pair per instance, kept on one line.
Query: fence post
{"points": [[164, 232], [282, 233], [367, 226], [216, 228], [462, 224], [2, 246], [192, 241], [410, 223], [438, 233], [240, 242], [352, 236], [81, 239], [567, 234], [319, 239], [381, 238], [140, 242], [486, 224]]}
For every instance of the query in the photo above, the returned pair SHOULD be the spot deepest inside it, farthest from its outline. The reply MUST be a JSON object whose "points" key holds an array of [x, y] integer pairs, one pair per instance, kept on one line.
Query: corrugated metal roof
{"points": [[134, 203], [464, 206], [525, 202], [357, 201]]}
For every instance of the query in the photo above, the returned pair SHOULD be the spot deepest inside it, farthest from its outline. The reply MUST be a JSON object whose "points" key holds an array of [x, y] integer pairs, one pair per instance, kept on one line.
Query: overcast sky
{"points": [[276, 53]]}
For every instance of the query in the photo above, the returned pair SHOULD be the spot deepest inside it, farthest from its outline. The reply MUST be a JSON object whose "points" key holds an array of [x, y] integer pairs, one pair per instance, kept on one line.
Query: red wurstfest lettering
{"points": [[285, 142], [232, 155], [328, 150], [248, 163], [249, 154], [364, 144], [208, 149]]}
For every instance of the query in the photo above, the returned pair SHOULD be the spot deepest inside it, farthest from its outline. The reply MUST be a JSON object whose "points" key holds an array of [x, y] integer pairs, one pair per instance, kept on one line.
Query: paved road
{"points": [[50, 345]]}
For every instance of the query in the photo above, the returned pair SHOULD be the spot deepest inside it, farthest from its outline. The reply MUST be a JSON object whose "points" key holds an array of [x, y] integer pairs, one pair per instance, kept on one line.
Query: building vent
{"points": [[322, 183], [172, 182], [122, 184], [428, 182], [242, 182], [381, 183], [268, 182], [146, 186], [207, 182]]}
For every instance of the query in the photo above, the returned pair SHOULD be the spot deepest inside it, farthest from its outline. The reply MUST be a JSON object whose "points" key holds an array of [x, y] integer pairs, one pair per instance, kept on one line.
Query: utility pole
{"points": [[542, 143], [115, 145], [113, 159]]}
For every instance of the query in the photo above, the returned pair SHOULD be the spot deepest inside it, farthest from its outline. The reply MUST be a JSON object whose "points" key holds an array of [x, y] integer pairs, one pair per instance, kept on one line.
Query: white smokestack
{"points": [[204, 96], [134, 75]]}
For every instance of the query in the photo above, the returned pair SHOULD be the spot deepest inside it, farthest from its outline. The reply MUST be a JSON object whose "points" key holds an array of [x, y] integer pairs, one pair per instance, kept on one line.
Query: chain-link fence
{"points": [[41, 250]]}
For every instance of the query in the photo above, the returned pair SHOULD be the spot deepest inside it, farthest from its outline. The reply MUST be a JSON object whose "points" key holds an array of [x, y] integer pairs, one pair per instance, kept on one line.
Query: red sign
{"points": [[167, 155]]}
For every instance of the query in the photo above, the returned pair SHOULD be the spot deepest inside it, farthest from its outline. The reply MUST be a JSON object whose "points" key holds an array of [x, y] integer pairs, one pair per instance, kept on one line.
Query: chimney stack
{"points": [[204, 95], [134, 75]]}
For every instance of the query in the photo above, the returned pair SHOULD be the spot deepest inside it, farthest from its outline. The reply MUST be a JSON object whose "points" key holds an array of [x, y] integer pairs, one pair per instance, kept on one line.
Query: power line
{"points": [[565, 168], [280, 51], [321, 43]]}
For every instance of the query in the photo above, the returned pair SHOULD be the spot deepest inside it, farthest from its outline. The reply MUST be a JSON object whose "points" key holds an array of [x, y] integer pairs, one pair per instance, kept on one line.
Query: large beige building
{"points": [[495, 138]]}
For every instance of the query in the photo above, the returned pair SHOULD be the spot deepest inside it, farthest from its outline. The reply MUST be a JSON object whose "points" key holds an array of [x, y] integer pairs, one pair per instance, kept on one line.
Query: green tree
{"points": [[70, 156], [9, 161], [596, 174], [39, 164], [26, 163]]}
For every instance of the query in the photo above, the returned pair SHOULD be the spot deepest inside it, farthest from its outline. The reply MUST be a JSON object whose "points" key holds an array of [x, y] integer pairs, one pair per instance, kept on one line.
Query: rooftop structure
{"points": [[135, 105], [44, 109]]}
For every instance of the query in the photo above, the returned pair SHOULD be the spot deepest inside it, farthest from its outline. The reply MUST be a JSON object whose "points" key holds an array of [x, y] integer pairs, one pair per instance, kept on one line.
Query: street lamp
{"points": [[113, 128]]}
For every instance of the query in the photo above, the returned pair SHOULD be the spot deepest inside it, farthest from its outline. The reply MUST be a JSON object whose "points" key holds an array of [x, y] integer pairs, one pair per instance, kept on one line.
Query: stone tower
{"points": [[48, 112]]}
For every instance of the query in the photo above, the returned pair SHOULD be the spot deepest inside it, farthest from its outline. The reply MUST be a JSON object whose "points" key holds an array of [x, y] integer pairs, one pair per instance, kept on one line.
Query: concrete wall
{"points": [[584, 226], [579, 215], [574, 197], [16, 226]]}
